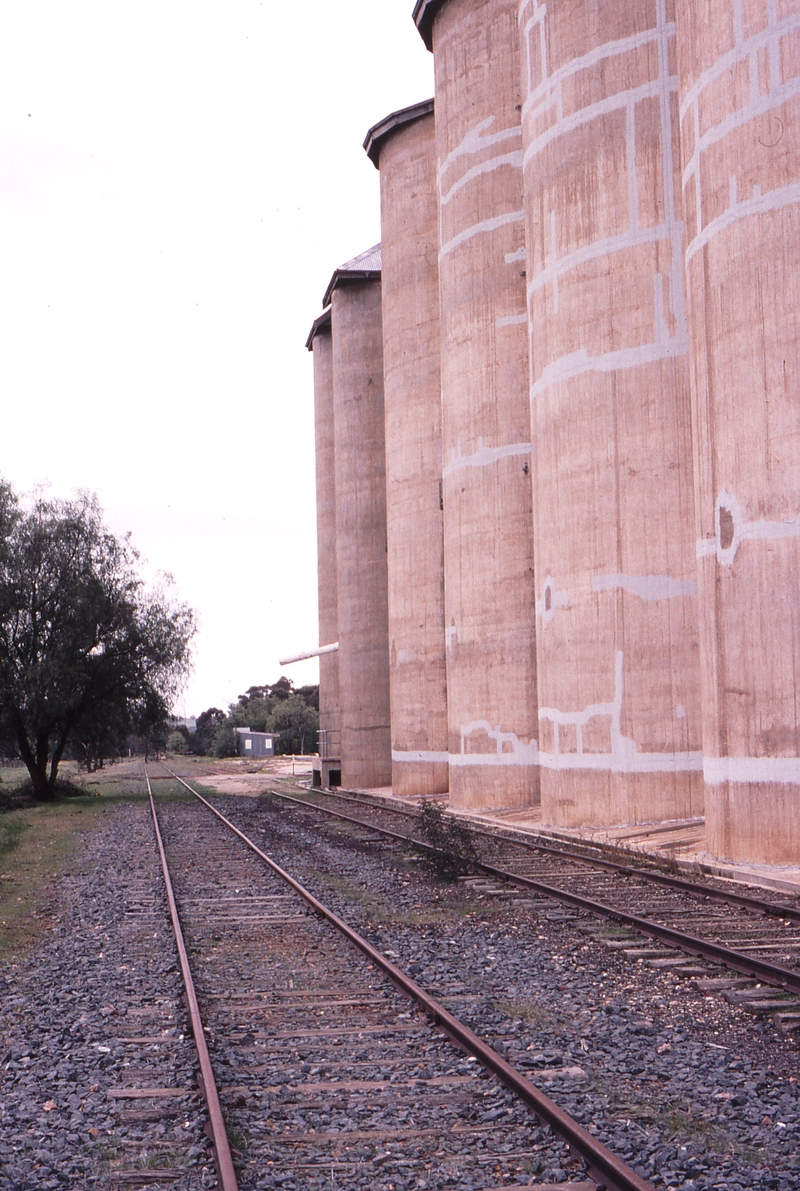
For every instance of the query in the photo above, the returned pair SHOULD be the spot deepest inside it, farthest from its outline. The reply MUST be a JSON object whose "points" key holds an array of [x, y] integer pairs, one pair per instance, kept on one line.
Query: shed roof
{"points": [[374, 140], [319, 324], [364, 267], [424, 13]]}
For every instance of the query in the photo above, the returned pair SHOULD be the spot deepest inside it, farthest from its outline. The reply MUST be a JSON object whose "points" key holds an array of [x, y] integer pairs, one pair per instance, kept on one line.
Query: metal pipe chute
{"points": [[311, 653]]}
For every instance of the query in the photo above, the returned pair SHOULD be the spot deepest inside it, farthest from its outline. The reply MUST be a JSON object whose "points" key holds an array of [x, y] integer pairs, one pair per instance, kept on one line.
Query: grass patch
{"points": [[528, 1011], [35, 844], [38, 840], [354, 893]]}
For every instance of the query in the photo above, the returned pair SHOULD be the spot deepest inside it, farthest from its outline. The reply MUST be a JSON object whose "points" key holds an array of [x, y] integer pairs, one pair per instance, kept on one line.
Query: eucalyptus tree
{"points": [[83, 643]]}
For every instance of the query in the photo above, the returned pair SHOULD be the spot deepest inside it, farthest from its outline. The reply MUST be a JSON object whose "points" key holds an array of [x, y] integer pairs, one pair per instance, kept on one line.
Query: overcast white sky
{"points": [[177, 183]]}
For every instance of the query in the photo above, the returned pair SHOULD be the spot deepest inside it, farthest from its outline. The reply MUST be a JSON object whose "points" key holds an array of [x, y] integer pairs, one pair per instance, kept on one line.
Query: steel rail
{"points": [[758, 969], [608, 1171], [723, 896], [219, 1136]]}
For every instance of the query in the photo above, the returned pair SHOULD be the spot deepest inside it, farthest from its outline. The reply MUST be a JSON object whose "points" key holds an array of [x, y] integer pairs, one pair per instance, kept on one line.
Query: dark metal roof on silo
{"points": [[379, 132], [424, 14], [364, 267], [318, 325]]}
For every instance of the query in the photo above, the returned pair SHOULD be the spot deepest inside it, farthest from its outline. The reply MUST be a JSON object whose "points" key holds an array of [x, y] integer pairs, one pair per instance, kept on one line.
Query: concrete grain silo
{"points": [[739, 74], [321, 344], [620, 731], [489, 623], [354, 294], [403, 148]]}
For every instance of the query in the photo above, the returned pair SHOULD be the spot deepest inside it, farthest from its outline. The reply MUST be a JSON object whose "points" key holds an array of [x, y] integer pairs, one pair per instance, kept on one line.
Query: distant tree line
{"points": [[292, 715]]}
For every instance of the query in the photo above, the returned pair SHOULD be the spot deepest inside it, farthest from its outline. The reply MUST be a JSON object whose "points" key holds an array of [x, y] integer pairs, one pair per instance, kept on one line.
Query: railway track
{"points": [[334, 1067], [748, 946]]}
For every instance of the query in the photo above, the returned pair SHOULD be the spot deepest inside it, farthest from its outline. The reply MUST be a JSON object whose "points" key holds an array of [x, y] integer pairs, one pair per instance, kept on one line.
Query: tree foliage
{"points": [[293, 715], [85, 649]]}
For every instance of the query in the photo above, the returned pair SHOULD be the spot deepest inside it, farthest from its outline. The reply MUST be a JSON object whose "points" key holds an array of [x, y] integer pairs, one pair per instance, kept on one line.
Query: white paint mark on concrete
{"points": [[476, 142], [589, 252], [513, 257], [551, 600], [511, 320], [777, 93], [731, 529], [484, 456], [479, 229], [451, 636], [759, 204], [624, 756], [510, 750], [542, 95], [580, 362], [424, 756], [507, 160], [680, 712], [647, 587], [784, 770]]}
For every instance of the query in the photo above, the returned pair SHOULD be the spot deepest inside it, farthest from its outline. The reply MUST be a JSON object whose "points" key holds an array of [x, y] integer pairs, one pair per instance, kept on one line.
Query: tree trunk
{"points": [[38, 773]]}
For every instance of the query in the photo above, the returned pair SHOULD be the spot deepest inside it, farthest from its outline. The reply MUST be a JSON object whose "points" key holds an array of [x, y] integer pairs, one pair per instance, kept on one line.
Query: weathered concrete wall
{"points": [[412, 399], [360, 478], [739, 69], [617, 637], [329, 716], [491, 684]]}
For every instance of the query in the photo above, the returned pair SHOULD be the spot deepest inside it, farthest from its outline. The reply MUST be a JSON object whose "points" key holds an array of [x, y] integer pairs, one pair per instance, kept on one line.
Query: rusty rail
{"points": [[723, 896], [219, 1136], [758, 969], [606, 1170]]}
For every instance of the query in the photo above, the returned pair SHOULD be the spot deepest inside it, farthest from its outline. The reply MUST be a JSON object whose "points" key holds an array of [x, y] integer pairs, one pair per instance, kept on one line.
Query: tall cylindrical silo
{"points": [[739, 73], [620, 728], [489, 593], [403, 148], [360, 481], [321, 344]]}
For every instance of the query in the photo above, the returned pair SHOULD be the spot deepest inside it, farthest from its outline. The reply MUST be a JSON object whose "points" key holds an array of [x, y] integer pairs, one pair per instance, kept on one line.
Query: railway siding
{"points": [[695, 1090]]}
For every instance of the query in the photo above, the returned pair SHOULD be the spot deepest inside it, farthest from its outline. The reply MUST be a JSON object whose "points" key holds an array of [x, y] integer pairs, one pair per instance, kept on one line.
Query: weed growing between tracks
{"points": [[452, 852]]}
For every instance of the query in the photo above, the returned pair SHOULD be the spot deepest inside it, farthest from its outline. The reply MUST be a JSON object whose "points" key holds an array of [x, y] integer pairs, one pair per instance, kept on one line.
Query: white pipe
{"points": [[312, 653]]}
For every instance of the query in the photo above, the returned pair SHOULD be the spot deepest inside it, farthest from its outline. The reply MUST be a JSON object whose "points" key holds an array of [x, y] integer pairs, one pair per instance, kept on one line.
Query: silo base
{"points": [[588, 798], [754, 822], [485, 787], [418, 779]]}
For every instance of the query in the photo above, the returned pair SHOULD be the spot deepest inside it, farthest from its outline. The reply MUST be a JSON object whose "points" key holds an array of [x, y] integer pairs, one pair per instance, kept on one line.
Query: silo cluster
{"points": [[558, 425]]}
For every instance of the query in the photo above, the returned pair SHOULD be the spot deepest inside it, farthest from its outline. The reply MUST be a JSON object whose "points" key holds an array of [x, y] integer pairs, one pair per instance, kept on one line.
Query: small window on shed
{"points": [[248, 744]]}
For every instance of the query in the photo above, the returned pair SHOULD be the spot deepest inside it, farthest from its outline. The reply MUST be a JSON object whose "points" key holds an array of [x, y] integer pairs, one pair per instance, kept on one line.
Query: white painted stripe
{"points": [[611, 49], [475, 142], [511, 320], [737, 119], [774, 31], [484, 456], [759, 204], [785, 770], [638, 763], [647, 587], [511, 160], [614, 103], [478, 229], [465, 760], [422, 756], [624, 756], [590, 252], [577, 363]]}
